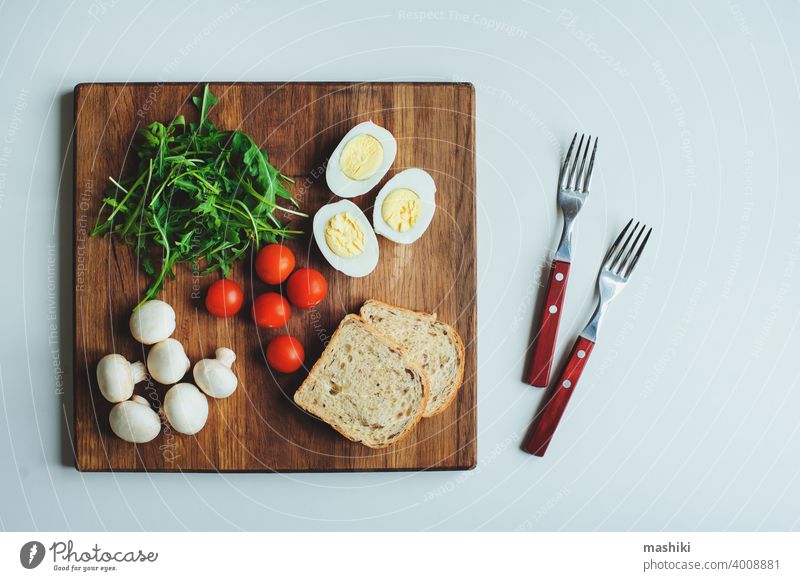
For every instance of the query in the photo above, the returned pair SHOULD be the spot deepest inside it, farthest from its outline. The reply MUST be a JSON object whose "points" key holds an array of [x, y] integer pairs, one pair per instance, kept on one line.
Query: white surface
{"points": [[686, 417]]}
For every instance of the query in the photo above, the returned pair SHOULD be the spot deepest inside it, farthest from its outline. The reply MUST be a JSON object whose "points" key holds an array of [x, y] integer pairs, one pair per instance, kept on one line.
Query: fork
{"points": [[618, 265], [573, 188]]}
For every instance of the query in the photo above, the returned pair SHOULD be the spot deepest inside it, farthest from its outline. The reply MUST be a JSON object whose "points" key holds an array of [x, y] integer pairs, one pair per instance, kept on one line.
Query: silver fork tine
{"points": [[624, 262], [579, 177], [566, 161], [638, 253], [610, 253], [573, 171], [616, 262], [588, 178]]}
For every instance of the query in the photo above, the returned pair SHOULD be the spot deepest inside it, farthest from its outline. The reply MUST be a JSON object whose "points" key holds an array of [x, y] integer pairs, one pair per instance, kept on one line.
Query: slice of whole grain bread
{"points": [[433, 345], [365, 386]]}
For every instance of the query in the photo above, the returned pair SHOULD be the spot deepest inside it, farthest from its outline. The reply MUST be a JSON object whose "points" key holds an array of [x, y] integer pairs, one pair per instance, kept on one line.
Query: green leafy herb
{"points": [[198, 195]]}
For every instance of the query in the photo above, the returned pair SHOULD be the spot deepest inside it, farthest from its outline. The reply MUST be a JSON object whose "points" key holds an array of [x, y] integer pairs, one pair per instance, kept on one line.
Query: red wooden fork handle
{"points": [[551, 413], [545, 342]]}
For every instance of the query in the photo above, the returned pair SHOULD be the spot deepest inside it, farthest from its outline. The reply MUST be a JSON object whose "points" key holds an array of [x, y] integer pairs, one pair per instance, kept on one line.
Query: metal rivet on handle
{"points": [[567, 383], [559, 276], [553, 309], [581, 354]]}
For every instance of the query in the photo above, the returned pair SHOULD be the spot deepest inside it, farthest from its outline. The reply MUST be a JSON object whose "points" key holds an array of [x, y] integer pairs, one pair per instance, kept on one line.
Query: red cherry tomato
{"points": [[274, 263], [224, 298], [306, 288], [271, 310], [285, 354]]}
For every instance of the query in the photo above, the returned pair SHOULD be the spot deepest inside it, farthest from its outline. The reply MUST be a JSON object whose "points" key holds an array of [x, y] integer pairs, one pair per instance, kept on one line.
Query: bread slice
{"points": [[433, 345], [365, 386]]}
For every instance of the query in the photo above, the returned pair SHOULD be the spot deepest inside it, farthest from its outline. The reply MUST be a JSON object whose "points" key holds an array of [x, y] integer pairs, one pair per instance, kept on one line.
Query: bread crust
{"points": [[426, 389], [459, 344]]}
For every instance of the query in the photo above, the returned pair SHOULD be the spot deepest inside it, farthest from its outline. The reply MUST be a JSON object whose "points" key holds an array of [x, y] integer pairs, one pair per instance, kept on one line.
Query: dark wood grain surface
{"points": [[258, 428]]}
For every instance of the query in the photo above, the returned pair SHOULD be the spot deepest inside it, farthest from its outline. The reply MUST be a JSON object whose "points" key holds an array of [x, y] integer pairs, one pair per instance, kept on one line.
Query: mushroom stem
{"points": [[139, 372], [225, 356]]}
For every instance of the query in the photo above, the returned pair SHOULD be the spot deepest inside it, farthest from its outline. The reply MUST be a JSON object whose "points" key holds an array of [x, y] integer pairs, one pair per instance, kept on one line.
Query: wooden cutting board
{"points": [[258, 428]]}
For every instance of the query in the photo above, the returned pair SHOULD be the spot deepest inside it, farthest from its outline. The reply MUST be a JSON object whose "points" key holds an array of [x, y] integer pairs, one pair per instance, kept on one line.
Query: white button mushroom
{"points": [[186, 408], [154, 321], [135, 421], [167, 361], [214, 376], [116, 377]]}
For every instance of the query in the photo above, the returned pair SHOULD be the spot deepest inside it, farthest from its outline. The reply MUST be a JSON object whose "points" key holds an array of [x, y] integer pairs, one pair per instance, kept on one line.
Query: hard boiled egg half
{"points": [[405, 206], [360, 160], [346, 239]]}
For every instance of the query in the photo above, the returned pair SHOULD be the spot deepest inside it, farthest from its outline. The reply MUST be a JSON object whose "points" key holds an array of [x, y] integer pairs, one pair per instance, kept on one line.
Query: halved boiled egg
{"points": [[405, 206], [360, 160], [346, 239]]}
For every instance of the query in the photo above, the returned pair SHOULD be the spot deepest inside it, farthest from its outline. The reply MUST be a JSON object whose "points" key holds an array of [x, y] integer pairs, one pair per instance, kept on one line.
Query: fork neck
{"points": [[564, 251], [590, 330]]}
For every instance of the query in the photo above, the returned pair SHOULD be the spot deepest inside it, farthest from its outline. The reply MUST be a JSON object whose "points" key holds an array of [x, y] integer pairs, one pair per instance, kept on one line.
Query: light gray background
{"points": [[687, 417]]}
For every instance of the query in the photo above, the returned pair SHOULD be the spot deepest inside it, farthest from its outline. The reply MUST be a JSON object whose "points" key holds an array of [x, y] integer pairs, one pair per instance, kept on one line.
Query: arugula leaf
{"points": [[199, 195], [204, 105]]}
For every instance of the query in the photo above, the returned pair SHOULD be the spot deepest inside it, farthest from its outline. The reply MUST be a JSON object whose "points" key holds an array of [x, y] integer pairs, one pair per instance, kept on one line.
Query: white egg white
{"points": [[343, 186], [418, 181], [355, 266]]}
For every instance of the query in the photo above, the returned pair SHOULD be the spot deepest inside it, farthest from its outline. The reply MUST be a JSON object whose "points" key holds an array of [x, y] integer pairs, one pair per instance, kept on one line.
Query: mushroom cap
{"points": [[186, 408], [135, 421], [167, 361], [154, 321], [116, 377], [214, 378]]}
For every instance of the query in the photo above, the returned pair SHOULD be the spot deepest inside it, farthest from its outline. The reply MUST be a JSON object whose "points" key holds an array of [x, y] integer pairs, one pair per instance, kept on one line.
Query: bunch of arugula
{"points": [[198, 195]]}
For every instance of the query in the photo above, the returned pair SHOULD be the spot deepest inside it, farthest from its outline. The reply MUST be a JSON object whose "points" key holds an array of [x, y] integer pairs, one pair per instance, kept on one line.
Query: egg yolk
{"points": [[344, 236], [400, 209], [361, 157]]}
